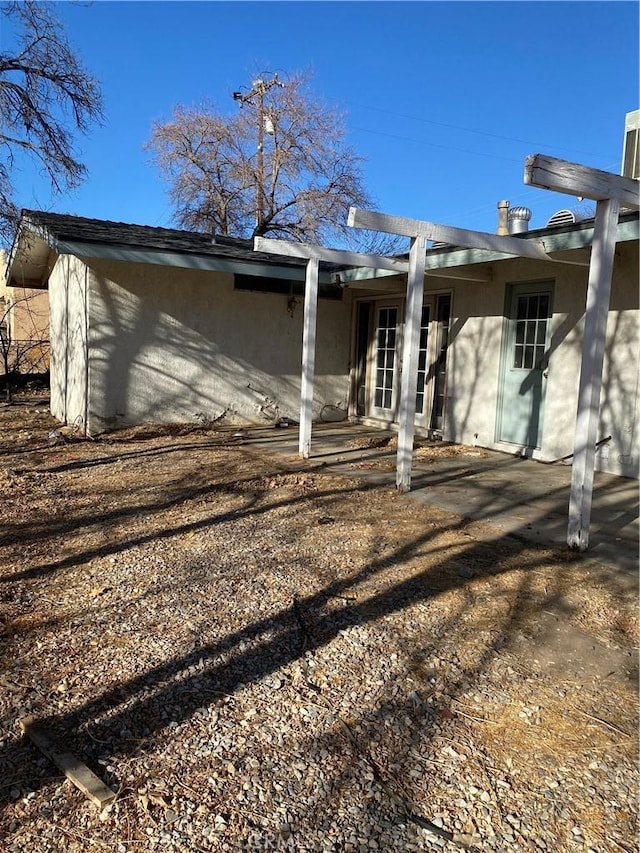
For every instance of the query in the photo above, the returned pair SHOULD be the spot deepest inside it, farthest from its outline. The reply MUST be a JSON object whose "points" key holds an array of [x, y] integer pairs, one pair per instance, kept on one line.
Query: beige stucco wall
{"points": [[68, 322], [174, 345], [474, 377], [169, 344]]}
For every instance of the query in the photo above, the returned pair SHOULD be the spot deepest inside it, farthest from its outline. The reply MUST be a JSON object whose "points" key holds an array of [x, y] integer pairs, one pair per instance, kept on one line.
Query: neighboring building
{"points": [[24, 327], [151, 324]]}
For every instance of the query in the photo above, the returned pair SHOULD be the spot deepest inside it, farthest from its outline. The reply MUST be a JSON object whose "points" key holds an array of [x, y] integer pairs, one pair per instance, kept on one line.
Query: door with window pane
{"points": [[525, 362], [385, 371]]}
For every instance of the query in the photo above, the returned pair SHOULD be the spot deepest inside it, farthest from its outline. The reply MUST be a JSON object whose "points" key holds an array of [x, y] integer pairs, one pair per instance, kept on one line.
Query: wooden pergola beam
{"points": [[610, 191], [561, 176], [331, 256], [374, 221]]}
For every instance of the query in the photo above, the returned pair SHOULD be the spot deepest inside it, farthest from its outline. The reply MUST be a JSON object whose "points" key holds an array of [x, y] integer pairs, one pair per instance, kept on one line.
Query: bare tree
{"points": [[45, 96], [277, 165]]}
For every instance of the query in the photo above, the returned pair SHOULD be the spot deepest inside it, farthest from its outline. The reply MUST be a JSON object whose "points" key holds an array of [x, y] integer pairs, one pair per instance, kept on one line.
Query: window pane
{"points": [[528, 358], [517, 361], [520, 332], [541, 332], [544, 306], [522, 308]]}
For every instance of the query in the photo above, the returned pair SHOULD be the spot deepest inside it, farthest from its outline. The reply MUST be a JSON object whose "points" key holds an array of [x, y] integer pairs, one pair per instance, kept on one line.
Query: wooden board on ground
{"points": [[77, 772]]}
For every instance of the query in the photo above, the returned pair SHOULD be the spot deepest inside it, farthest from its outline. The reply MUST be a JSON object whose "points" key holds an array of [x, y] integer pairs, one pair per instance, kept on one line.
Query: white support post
{"points": [[410, 348], [593, 345], [308, 356]]}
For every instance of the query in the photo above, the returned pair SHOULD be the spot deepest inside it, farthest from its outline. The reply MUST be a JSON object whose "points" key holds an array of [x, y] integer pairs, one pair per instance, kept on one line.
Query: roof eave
{"points": [[262, 266]]}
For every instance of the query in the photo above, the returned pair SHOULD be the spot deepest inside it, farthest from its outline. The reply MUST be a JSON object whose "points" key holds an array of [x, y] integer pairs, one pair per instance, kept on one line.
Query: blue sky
{"points": [[444, 100]]}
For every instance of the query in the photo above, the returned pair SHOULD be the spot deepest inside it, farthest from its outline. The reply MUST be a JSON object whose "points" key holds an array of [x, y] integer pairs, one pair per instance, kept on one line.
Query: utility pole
{"points": [[258, 90]]}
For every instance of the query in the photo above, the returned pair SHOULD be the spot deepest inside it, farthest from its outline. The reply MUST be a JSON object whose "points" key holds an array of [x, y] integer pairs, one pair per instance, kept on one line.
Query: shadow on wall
{"points": [[474, 365], [618, 408], [166, 349]]}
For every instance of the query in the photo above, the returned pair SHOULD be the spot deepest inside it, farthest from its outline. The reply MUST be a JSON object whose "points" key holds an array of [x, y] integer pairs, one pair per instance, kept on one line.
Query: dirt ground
{"points": [[104, 549]]}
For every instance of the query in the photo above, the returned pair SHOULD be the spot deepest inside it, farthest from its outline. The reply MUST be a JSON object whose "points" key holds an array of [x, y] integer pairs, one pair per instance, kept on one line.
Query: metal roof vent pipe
{"points": [[503, 210], [518, 220]]}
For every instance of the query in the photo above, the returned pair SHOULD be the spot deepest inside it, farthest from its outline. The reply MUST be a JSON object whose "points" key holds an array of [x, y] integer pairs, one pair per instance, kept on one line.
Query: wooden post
{"points": [[593, 345], [308, 356], [410, 349]]}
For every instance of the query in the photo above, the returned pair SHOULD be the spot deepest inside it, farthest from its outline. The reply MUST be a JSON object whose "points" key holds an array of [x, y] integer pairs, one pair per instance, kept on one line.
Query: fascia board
{"points": [[185, 260], [365, 274]]}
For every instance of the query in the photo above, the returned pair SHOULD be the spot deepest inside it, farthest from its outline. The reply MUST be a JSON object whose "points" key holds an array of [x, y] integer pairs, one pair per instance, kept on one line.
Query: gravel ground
{"points": [[257, 655]]}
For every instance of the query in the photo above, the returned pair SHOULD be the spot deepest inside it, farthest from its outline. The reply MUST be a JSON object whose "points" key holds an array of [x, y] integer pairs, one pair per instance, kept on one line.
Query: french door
{"points": [[385, 373], [379, 360]]}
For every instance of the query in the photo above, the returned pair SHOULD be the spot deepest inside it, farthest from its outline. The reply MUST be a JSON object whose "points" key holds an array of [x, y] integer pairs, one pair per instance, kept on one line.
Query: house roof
{"points": [[61, 229], [42, 236]]}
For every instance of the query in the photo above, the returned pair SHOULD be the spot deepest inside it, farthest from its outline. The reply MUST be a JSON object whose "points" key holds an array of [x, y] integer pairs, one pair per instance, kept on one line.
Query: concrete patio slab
{"points": [[519, 496]]}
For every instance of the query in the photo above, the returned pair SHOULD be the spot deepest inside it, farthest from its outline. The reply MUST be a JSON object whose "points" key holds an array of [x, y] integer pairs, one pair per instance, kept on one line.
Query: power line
{"points": [[471, 130], [435, 144]]}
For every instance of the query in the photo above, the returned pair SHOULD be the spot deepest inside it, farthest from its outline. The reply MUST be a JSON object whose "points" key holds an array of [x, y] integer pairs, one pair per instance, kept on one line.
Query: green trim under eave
{"points": [[566, 240], [578, 238], [192, 261]]}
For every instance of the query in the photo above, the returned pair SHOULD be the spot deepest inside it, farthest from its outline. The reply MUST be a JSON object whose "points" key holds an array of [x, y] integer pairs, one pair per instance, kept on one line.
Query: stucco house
{"points": [[153, 324]]}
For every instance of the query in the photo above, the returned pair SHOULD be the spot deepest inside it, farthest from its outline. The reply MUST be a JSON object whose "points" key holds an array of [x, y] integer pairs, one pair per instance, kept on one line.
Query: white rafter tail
{"points": [[517, 246], [409, 376], [560, 176], [593, 345], [308, 356]]}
